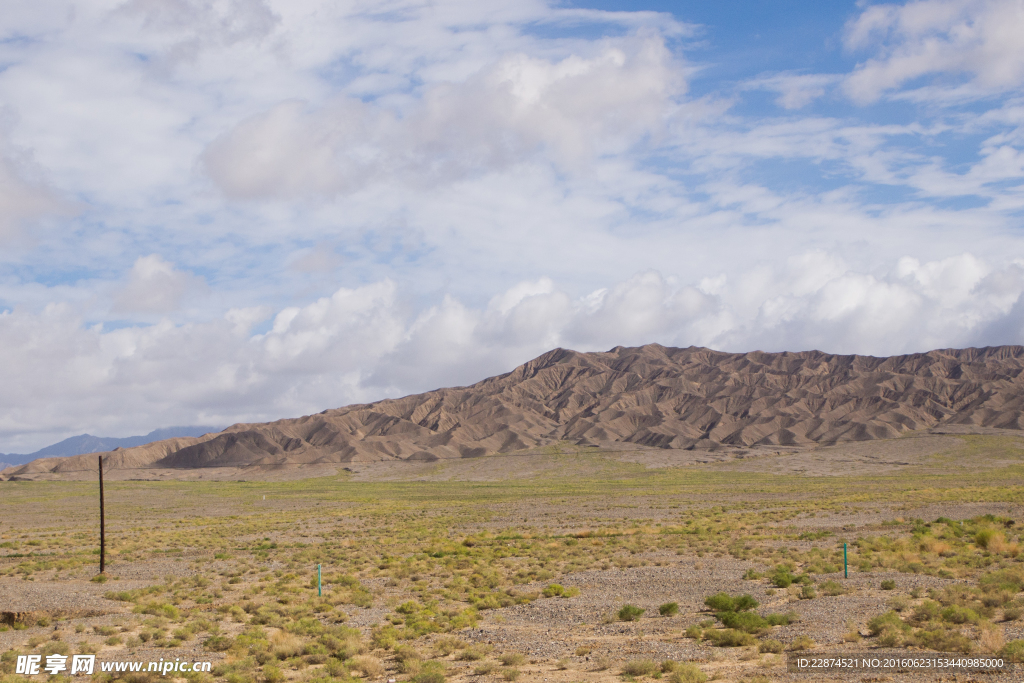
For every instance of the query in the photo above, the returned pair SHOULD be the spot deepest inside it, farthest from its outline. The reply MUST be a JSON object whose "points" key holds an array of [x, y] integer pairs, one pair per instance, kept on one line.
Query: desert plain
{"points": [[557, 564]]}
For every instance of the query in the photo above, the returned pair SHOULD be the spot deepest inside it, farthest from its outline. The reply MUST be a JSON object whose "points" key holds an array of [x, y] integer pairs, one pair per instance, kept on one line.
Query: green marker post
{"points": [[319, 591], [846, 570]]}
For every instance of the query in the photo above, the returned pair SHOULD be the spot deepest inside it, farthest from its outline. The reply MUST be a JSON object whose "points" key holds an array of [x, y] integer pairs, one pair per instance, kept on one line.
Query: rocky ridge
{"points": [[649, 396]]}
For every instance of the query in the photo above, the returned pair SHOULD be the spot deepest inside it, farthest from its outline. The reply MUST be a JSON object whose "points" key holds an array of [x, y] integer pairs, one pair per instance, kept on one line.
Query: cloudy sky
{"points": [[236, 210]]}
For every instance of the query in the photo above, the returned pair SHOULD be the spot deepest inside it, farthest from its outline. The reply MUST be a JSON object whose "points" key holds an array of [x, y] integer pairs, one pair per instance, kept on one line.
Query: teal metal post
{"points": [[846, 570], [319, 592]]}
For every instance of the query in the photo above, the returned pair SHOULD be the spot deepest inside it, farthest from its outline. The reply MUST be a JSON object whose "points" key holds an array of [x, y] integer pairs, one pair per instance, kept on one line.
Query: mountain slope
{"points": [[652, 396], [87, 443]]}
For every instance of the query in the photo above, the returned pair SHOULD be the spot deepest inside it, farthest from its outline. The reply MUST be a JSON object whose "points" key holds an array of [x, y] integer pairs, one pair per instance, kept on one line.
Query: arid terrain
{"points": [[645, 513], [508, 567], [681, 400]]}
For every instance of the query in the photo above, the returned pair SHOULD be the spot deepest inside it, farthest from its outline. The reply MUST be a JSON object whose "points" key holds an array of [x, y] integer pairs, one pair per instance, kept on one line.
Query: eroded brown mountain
{"points": [[651, 395]]}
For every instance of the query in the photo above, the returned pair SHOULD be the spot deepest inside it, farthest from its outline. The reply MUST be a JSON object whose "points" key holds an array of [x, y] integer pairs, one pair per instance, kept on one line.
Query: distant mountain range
{"points": [[648, 397], [87, 443]]}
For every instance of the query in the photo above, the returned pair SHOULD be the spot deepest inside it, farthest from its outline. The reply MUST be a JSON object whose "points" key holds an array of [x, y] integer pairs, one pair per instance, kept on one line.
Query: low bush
{"points": [[640, 667], [512, 659], [770, 645], [430, 672], [218, 643], [748, 622], [1013, 651], [630, 613], [669, 609], [729, 637], [956, 614], [475, 652], [801, 643], [888, 620], [941, 639], [723, 602], [929, 610], [782, 619], [687, 673], [370, 666], [485, 668]]}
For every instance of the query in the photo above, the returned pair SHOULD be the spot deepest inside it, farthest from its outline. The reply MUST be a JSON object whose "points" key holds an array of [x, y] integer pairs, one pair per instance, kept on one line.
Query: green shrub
{"points": [[669, 609], [782, 619], [832, 588], [687, 673], [808, 593], [770, 645], [782, 577], [630, 613], [160, 609], [890, 619], [1011, 580], [218, 643], [720, 602], [984, 537], [485, 668], [956, 614], [941, 639], [475, 652], [929, 610], [430, 672], [729, 637], [695, 632], [640, 667], [888, 585], [801, 643], [723, 602], [554, 590], [56, 647], [1013, 651], [512, 659], [748, 622]]}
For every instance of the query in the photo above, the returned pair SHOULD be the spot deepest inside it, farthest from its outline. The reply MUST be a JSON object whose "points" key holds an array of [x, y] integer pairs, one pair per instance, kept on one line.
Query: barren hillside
{"points": [[654, 396]]}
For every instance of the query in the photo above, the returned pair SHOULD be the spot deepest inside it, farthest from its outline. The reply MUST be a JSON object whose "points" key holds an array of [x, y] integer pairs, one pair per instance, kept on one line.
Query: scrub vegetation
{"points": [[413, 571]]}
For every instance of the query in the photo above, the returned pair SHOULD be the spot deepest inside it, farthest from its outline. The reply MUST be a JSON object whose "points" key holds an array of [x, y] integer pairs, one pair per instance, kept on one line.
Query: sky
{"points": [[220, 211]]}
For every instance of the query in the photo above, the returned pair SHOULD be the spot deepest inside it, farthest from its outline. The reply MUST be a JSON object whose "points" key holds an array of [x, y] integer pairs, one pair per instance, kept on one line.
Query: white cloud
{"points": [[23, 200], [977, 38], [154, 286], [458, 186], [364, 343], [569, 111], [795, 90]]}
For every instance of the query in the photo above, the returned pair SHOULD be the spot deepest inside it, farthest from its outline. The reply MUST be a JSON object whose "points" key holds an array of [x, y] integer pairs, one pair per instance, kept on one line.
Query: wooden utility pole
{"points": [[103, 538]]}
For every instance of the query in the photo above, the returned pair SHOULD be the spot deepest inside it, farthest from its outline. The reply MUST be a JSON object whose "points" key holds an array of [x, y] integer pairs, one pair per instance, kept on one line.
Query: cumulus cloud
{"points": [[22, 200], [978, 39], [155, 286], [567, 110], [364, 343], [488, 181]]}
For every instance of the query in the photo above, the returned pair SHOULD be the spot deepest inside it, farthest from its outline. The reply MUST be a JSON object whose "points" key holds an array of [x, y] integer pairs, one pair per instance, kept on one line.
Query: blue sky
{"points": [[243, 210]]}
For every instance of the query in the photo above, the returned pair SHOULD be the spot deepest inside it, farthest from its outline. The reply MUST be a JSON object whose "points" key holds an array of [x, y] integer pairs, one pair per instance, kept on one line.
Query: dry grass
{"points": [[410, 567]]}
